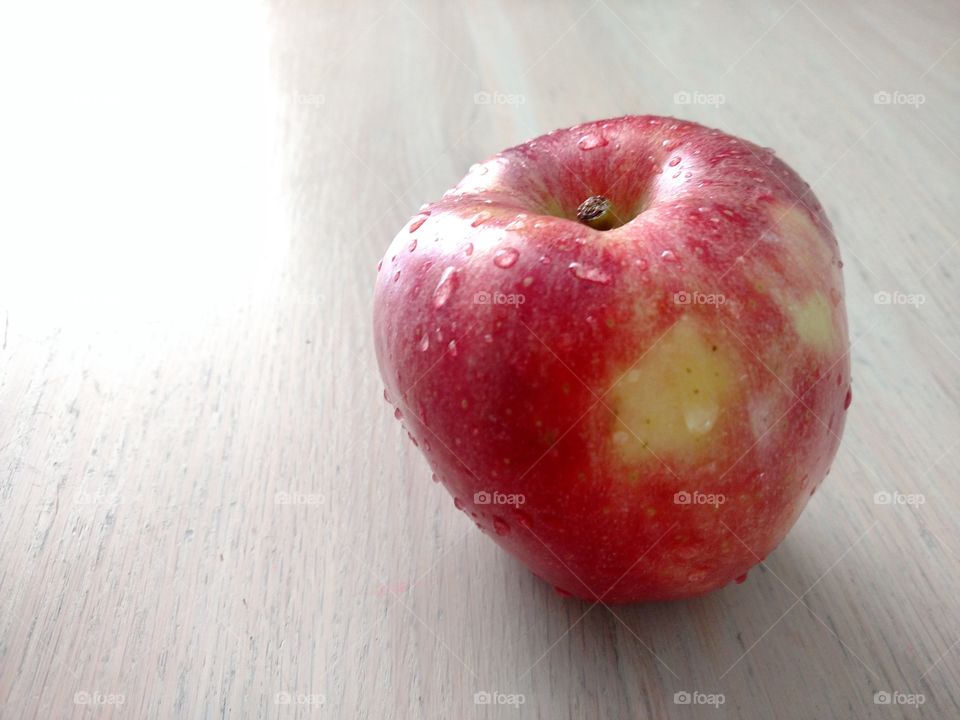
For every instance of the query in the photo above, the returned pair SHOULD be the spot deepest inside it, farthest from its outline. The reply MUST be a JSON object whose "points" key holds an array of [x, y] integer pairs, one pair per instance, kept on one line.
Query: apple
{"points": [[622, 347]]}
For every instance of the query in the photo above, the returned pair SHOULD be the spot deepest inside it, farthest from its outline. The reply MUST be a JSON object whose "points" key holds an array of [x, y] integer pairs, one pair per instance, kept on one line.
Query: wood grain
{"points": [[206, 508]]}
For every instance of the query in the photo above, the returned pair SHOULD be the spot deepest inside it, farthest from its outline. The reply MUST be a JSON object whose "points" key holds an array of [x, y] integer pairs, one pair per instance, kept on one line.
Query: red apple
{"points": [[634, 395]]}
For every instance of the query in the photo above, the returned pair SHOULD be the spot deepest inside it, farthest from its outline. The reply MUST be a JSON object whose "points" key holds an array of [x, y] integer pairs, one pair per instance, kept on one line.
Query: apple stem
{"points": [[597, 212]]}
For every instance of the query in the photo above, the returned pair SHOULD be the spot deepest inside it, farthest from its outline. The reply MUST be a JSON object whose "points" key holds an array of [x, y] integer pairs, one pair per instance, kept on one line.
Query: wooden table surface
{"points": [[206, 508]]}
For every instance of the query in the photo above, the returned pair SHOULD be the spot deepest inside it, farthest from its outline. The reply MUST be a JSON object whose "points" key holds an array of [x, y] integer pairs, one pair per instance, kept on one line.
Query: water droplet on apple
{"points": [[435, 478], [528, 281], [591, 141], [458, 503], [506, 257], [500, 526], [445, 288], [398, 413], [685, 552], [488, 338], [379, 265], [741, 579], [426, 444], [700, 419], [413, 245], [420, 220], [591, 274], [642, 263], [480, 218], [386, 395], [848, 399], [676, 175], [424, 343], [674, 162], [397, 276], [468, 249], [452, 348], [668, 256], [518, 223]]}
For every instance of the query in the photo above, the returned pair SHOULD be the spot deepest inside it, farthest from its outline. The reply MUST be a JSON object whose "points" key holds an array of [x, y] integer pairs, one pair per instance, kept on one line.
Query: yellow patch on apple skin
{"points": [[669, 403], [813, 321], [809, 252], [810, 265]]}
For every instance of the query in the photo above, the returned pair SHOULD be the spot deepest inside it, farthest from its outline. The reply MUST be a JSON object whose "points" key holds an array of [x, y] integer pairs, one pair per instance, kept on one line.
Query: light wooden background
{"points": [[195, 198]]}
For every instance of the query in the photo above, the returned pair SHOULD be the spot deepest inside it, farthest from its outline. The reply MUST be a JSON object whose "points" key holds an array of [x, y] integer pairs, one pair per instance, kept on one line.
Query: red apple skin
{"points": [[602, 395]]}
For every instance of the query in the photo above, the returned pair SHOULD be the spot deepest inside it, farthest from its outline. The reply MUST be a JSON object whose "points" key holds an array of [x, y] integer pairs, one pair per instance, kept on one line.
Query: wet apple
{"points": [[622, 347]]}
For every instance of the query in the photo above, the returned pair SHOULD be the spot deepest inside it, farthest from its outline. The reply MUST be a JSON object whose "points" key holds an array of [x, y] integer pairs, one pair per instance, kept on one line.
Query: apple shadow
{"points": [[609, 658]]}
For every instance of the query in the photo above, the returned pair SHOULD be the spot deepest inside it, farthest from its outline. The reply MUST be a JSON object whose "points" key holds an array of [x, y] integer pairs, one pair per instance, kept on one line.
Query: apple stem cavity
{"points": [[597, 212]]}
